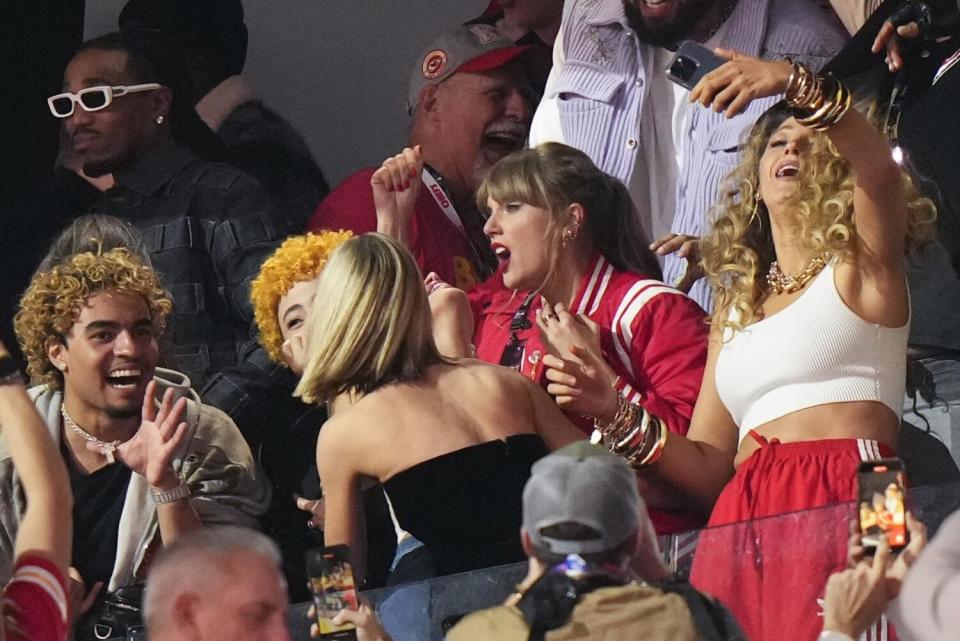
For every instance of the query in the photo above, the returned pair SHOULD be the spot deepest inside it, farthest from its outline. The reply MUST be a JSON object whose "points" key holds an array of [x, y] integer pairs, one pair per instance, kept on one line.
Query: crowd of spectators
{"points": [[730, 288]]}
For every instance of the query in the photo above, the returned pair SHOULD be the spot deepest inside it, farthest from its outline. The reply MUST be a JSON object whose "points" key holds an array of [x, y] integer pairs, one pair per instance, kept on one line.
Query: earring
{"points": [[159, 120], [61, 366], [570, 234], [756, 203]]}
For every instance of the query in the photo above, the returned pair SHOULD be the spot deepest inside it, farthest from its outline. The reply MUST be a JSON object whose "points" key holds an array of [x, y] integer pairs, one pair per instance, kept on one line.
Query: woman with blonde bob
{"points": [[807, 357], [466, 430]]}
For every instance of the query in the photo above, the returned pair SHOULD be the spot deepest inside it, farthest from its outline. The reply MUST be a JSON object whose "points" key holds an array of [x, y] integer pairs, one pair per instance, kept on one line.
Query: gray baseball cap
{"points": [[465, 48], [583, 485]]}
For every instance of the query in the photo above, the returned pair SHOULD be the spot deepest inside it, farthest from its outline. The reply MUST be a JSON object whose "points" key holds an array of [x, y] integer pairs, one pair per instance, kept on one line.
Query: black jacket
{"points": [[208, 227]]}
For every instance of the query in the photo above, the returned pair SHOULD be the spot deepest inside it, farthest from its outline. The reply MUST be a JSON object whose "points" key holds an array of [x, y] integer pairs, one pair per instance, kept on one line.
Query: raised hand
{"points": [[396, 186], [578, 377], [897, 570], [687, 247], [560, 330], [294, 353], [314, 507], [81, 599], [856, 597], [365, 619], [739, 81], [909, 21], [150, 452], [452, 318]]}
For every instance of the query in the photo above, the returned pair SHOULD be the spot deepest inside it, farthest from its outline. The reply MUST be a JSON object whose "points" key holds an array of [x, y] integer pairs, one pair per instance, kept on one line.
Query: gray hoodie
{"points": [[214, 461]]}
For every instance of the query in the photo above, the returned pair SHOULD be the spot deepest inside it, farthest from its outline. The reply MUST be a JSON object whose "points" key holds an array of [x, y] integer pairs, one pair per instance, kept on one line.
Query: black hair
{"points": [[154, 57]]}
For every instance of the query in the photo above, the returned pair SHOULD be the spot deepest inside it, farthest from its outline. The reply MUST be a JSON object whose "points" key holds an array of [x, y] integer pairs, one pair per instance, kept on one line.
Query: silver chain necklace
{"points": [[107, 449]]}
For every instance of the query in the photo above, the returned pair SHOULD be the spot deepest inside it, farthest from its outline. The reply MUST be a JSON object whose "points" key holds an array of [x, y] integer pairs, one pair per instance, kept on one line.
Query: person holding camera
{"points": [[594, 565]]}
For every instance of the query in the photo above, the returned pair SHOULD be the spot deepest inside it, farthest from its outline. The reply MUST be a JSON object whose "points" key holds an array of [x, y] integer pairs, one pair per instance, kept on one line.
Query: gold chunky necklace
{"points": [[783, 284]]}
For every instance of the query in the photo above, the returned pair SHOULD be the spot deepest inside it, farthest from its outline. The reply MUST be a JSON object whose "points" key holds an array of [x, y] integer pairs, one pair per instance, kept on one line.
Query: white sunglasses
{"points": [[93, 98]]}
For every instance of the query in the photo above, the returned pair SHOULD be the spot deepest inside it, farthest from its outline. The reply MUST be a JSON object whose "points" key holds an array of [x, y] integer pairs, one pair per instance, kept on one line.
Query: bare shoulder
{"points": [[341, 435], [488, 373]]}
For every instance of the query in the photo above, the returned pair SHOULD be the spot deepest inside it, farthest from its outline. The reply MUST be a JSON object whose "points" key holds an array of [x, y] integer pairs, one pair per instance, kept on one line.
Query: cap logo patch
{"points": [[485, 33], [434, 64]]}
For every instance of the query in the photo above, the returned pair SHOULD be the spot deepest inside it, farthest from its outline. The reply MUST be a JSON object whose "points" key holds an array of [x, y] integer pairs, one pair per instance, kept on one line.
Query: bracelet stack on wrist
{"points": [[823, 100], [635, 434]]}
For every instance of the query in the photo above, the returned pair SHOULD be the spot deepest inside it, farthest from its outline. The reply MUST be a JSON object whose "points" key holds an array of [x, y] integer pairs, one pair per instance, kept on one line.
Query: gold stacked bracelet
{"points": [[635, 434], [823, 100]]}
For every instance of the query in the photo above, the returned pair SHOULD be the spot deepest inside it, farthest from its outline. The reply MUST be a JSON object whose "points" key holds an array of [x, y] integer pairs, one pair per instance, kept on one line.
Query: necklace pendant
{"points": [[596, 438], [107, 449]]}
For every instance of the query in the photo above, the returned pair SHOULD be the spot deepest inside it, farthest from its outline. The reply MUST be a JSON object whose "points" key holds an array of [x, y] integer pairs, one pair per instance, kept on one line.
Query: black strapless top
{"points": [[466, 505]]}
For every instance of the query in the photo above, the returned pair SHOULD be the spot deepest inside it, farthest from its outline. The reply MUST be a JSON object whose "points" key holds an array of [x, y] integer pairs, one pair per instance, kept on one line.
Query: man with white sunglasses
{"points": [[207, 226]]}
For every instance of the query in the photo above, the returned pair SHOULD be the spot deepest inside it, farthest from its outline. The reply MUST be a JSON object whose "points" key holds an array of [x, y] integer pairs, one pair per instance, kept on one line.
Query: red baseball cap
{"points": [[466, 48]]}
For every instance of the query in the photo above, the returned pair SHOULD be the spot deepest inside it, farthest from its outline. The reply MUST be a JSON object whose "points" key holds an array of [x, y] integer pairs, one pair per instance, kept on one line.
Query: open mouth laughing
{"points": [[125, 379]]}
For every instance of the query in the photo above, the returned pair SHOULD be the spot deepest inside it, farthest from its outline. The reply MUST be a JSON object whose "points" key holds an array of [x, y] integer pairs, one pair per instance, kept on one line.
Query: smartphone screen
{"points": [[882, 504], [333, 589], [691, 63]]}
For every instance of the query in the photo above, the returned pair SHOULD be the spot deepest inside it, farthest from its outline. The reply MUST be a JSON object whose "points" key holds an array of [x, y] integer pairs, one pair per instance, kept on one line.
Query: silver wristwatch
{"points": [[178, 493]]}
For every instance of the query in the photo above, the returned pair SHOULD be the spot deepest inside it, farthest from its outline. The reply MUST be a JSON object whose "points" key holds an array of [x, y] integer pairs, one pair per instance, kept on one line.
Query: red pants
{"points": [[771, 572]]}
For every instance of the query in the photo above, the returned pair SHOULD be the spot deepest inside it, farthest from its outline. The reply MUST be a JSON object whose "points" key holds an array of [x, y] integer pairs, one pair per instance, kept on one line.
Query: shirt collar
{"points": [[155, 167], [742, 33], [605, 12], [590, 282]]}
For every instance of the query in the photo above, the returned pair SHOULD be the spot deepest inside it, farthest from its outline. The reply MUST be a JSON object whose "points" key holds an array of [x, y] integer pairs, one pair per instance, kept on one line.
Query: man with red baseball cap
{"points": [[470, 103]]}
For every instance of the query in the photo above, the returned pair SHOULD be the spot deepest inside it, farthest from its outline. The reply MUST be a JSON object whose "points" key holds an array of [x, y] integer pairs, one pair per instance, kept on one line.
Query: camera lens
{"points": [[683, 68]]}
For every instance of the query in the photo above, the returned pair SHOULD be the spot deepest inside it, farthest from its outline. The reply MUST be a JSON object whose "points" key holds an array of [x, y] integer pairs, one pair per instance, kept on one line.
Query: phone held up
{"points": [[333, 589], [882, 504], [691, 63]]}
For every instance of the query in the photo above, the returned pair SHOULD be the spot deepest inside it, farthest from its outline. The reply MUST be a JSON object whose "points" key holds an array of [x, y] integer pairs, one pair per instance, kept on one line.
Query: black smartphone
{"points": [[691, 63], [333, 589], [882, 504]]}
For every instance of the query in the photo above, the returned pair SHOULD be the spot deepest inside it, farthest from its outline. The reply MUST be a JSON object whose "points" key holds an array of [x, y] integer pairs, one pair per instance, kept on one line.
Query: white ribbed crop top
{"points": [[814, 351]]}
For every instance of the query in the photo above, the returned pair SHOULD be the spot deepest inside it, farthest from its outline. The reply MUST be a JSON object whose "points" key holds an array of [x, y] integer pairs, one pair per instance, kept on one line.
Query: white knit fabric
{"points": [[815, 351]]}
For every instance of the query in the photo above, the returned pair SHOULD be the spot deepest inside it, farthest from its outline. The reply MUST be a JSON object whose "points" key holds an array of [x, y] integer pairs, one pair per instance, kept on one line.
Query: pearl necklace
{"points": [[783, 284], [107, 449]]}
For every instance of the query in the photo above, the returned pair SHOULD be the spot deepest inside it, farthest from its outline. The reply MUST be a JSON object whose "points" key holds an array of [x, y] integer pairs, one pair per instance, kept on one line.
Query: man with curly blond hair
{"points": [[147, 461]]}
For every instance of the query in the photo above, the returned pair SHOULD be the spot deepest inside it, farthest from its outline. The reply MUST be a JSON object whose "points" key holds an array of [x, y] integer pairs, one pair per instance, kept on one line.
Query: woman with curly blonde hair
{"points": [[807, 356]]}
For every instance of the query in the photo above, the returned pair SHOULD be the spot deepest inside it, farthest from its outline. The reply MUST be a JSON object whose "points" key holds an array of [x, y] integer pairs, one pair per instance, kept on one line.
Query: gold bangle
{"points": [[657, 451]]}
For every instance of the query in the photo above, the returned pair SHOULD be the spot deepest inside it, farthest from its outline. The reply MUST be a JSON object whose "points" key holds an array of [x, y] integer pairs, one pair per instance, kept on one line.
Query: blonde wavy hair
{"points": [[737, 252], [297, 259], [370, 322], [55, 297]]}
